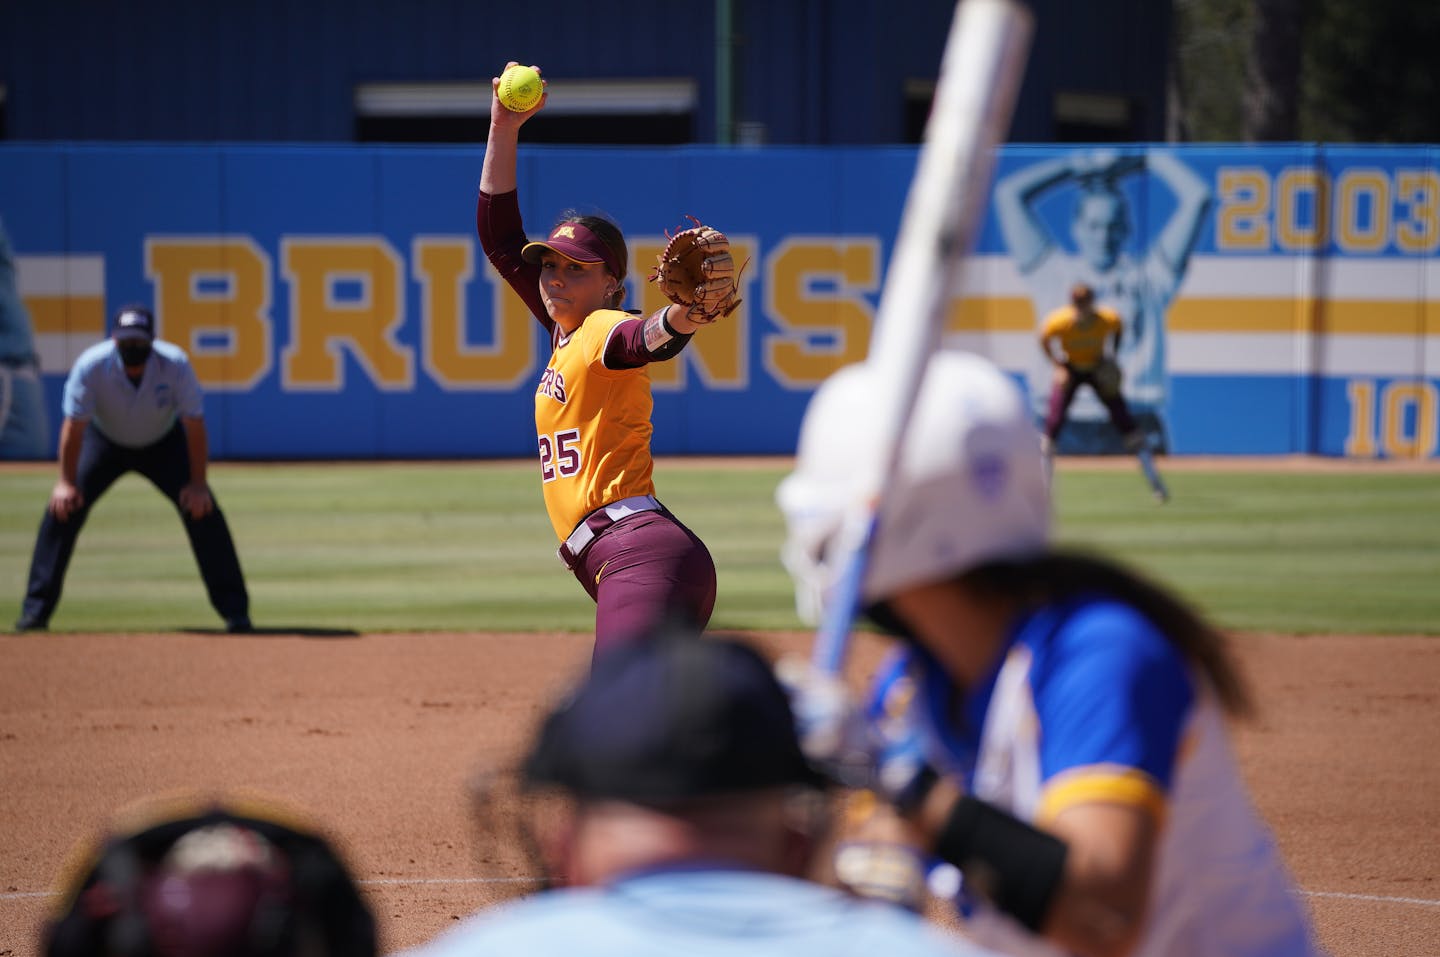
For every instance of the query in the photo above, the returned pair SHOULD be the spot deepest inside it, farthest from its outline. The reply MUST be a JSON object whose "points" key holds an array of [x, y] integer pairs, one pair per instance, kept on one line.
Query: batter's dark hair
{"points": [[1060, 574], [614, 240]]}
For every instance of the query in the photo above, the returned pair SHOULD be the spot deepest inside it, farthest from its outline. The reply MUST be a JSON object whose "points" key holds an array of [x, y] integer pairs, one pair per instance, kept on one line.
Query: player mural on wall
{"points": [[1138, 283], [24, 421]]}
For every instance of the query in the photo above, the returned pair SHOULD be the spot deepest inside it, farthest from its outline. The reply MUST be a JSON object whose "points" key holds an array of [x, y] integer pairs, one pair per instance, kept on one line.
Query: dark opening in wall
{"points": [[919, 97], [610, 112], [628, 130], [1095, 118]]}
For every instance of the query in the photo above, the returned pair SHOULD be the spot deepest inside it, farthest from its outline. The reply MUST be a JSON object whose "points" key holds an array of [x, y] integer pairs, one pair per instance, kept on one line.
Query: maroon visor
{"points": [[577, 244]]}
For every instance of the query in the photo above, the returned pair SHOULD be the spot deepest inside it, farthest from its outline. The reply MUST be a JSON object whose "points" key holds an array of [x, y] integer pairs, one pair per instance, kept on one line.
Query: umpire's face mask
{"points": [[133, 352]]}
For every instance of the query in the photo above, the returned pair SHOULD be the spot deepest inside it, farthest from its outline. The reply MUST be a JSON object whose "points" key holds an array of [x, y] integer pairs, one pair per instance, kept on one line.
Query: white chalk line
{"points": [[1340, 895], [451, 880], [373, 881], [402, 881]]}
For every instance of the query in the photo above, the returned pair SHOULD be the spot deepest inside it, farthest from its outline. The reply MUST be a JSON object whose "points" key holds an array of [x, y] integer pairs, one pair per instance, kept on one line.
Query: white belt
{"points": [[599, 520]]}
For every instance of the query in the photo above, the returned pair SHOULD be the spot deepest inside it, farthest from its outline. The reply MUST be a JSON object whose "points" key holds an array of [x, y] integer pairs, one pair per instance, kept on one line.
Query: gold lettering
{"points": [[213, 296], [1359, 187], [444, 267], [328, 317], [719, 353], [816, 291], [1294, 186], [1242, 221]]}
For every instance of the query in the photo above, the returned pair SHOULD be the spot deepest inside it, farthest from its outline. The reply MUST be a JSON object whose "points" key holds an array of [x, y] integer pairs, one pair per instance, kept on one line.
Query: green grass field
{"points": [[423, 546]]}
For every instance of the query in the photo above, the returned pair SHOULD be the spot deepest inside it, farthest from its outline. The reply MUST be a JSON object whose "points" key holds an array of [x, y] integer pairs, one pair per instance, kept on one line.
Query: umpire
{"points": [[132, 403]]}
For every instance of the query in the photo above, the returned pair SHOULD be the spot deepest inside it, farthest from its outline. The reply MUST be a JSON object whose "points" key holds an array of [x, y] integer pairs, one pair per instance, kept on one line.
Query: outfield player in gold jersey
{"points": [[1081, 340], [639, 563]]}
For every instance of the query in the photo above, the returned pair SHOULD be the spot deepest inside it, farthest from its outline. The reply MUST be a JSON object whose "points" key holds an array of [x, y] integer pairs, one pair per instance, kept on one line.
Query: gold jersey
{"points": [[593, 425], [1083, 342]]}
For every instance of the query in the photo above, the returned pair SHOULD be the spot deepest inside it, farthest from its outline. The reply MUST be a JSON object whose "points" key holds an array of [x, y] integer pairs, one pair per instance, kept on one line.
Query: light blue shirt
{"points": [[698, 914], [98, 391]]}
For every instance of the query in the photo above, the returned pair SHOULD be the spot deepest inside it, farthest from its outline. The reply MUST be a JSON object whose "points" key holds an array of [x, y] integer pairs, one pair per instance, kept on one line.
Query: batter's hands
{"points": [[877, 854], [830, 724], [876, 747], [196, 500], [65, 500]]}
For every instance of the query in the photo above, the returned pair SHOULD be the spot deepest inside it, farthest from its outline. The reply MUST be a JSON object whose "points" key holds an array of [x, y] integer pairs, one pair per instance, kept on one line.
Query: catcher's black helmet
{"points": [[211, 879]]}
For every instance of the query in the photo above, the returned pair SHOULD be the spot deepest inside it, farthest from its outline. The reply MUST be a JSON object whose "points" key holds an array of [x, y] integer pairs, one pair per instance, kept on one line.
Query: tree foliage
{"points": [[1316, 70]]}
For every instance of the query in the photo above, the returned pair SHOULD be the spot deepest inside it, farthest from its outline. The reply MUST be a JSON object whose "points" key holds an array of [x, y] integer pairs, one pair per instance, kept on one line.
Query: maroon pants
{"points": [[1064, 393], [647, 572]]}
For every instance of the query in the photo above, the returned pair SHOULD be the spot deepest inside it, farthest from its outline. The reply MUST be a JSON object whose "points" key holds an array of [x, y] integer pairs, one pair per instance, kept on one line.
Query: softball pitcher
{"points": [[1058, 729], [639, 563]]}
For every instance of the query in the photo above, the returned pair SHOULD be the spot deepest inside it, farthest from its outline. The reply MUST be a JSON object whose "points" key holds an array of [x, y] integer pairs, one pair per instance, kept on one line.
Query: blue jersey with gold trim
{"points": [[1090, 702]]}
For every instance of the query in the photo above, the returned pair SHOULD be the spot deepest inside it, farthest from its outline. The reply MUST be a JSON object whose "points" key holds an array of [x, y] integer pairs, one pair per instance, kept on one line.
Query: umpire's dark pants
{"points": [[166, 464]]}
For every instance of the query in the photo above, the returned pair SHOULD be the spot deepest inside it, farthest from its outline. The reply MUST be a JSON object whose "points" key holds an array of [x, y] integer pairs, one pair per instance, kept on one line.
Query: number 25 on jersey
{"points": [[560, 455]]}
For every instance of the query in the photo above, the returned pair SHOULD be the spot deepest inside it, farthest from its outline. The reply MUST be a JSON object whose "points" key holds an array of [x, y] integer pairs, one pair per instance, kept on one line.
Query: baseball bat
{"points": [[980, 74]]}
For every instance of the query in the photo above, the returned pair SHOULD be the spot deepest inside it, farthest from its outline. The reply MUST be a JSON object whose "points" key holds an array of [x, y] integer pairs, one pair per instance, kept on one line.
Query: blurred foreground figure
{"points": [[202, 879], [1054, 725], [685, 822]]}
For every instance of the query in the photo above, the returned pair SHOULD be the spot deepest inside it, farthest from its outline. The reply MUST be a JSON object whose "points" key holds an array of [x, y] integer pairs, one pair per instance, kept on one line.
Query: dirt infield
{"points": [[377, 734]]}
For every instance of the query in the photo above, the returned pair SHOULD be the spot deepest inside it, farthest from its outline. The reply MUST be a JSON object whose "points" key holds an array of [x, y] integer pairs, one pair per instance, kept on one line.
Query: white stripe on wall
{"points": [[1252, 277], [82, 275], [1242, 353]]}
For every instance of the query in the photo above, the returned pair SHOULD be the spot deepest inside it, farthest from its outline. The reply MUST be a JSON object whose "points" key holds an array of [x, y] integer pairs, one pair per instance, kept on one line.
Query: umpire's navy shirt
{"points": [[98, 391]]}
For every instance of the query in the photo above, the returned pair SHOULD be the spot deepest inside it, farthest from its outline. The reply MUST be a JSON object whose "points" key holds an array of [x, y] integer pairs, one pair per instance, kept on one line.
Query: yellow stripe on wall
{"points": [[1349, 317], [1237, 315], [59, 315], [997, 314], [1340, 317]]}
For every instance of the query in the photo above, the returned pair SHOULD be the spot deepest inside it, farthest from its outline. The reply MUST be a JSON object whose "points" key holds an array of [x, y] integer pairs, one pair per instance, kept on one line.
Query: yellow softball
{"points": [[520, 88]]}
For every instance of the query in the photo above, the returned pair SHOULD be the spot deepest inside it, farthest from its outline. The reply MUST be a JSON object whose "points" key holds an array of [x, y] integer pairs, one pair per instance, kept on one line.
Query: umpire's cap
{"points": [[196, 877], [669, 719], [134, 322]]}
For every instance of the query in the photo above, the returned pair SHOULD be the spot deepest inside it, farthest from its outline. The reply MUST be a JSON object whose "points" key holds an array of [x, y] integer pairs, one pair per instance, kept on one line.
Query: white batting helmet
{"points": [[970, 486]]}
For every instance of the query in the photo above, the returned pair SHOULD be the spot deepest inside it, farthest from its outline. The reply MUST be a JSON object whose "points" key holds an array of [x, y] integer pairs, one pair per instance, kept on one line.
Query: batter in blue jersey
{"points": [[1054, 725]]}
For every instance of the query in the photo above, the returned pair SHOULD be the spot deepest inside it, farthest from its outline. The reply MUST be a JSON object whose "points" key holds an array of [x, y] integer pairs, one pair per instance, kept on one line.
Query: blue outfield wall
{"points": [[1277, 300]]}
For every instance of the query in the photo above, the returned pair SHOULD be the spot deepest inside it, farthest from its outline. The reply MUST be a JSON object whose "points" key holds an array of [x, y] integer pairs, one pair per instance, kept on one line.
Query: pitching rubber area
{"points": [[377, 735]]}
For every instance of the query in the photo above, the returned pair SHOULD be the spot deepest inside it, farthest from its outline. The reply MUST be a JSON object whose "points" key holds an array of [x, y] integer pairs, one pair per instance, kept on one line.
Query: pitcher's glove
{"points": [[1106, 377], [696, 271]]}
